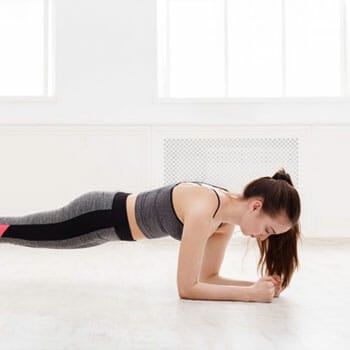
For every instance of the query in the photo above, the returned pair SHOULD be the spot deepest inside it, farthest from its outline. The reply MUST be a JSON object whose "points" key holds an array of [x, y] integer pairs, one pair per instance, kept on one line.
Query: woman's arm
{"points": [[216, 279], [261, 291], [208, 291], [198, 227], [214, 256], [195, 234]]}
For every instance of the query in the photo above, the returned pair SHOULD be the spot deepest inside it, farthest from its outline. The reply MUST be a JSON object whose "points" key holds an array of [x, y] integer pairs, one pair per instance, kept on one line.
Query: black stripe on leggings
{"points": [[79, 225]]}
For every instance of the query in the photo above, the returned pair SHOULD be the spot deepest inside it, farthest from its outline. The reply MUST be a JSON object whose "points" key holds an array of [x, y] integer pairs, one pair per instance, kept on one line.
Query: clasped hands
{"points": [[277, 282]]}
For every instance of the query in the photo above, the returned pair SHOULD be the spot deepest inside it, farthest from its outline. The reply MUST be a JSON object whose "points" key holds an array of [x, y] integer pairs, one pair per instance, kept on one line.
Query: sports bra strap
{"points": [[218, 203], [200, 183]]}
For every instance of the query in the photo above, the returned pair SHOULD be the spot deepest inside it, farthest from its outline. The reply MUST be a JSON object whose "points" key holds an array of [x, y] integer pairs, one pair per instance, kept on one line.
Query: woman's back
{"points": [[160, 212]]}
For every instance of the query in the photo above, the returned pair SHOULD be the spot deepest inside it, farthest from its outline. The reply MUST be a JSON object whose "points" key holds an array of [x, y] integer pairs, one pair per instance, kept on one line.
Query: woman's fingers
{"points": [[277, 283], [274, 280], [268, 278], [276, 277], [278, 291]]}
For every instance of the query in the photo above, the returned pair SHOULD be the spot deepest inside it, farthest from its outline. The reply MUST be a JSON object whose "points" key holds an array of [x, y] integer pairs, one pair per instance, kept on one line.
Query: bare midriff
{"points": [[136, 233]]}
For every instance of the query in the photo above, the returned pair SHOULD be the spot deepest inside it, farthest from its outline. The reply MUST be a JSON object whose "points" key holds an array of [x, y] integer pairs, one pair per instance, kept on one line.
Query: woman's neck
{"points": [[232, 208]]}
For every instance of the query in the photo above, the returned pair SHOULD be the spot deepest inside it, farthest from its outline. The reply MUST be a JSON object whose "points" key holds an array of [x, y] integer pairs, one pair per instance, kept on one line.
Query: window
{"points": [[234, 49], [25, 44]]}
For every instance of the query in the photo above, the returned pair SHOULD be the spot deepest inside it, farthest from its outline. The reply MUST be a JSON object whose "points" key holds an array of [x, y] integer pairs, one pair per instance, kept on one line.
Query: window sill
{"points": [[28, 99], [272, 100]]}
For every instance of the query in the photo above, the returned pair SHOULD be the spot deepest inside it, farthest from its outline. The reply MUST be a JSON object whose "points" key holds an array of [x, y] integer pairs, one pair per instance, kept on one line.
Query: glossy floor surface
{"points": [[122, 295]]}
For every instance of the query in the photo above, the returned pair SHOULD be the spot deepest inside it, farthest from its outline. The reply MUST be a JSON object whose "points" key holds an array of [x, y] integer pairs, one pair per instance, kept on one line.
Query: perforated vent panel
{"points": [[228, 162]]}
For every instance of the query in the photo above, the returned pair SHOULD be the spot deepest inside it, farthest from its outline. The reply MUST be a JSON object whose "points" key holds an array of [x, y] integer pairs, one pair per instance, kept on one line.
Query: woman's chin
{"points": [[246, 234]]}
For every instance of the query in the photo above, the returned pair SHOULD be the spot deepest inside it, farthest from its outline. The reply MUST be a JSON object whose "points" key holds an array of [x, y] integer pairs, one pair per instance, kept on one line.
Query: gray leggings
{"points": [[86, 221]]}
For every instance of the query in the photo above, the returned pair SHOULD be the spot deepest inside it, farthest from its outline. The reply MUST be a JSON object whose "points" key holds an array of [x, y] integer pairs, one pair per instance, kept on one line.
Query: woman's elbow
{"points": [[185, 292], [182, 293], [184, 296]]}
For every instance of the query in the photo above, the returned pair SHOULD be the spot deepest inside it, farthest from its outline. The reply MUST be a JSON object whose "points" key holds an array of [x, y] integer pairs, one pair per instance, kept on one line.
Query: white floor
{"points": [[122, 295]]}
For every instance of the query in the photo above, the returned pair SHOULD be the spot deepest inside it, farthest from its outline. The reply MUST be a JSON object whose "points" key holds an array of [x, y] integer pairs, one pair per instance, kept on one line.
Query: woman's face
{"points": [[256, 224]]}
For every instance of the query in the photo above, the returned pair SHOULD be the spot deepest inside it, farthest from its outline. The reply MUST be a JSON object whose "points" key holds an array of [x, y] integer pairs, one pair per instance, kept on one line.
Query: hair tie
{"points": [[282, 177]]}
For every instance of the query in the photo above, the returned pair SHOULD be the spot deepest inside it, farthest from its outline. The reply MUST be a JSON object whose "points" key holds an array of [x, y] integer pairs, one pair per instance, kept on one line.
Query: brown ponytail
{"points": [[278, 253]]}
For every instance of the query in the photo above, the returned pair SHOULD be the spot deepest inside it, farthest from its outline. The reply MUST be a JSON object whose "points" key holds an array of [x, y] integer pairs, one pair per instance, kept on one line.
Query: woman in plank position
{"points": [[201, 216]]}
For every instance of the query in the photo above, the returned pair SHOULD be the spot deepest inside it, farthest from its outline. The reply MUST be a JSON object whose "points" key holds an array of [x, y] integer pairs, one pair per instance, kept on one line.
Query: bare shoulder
{"points": [[198, 203], [191, 200]]}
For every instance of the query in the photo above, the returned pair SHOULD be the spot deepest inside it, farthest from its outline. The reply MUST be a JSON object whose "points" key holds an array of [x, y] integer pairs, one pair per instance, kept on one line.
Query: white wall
{"points": [[106, 78], [106, 73]]}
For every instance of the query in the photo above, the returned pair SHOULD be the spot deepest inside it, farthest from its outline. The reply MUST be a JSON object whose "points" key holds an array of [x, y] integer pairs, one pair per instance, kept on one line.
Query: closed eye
{"points": [[273, 231]]}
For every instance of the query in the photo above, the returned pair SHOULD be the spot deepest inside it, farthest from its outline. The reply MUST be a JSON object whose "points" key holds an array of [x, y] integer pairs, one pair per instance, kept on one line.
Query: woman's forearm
{"points": [[209, 291], [226, 281]]}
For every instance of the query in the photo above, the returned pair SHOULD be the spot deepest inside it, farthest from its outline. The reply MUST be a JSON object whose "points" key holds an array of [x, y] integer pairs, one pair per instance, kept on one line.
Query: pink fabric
{"points": [[3, 228]]}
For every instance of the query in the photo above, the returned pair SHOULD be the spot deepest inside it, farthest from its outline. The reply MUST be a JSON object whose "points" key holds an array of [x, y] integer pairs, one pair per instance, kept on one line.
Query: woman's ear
{"points": [[257, 204]]}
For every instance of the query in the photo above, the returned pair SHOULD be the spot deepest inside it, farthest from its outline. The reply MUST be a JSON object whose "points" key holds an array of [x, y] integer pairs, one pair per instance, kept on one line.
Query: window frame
{"points": [[162, 91]]}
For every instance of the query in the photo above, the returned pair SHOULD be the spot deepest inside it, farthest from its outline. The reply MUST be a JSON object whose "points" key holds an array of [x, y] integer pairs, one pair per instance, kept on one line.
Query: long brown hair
{"points": [[278, 253]]}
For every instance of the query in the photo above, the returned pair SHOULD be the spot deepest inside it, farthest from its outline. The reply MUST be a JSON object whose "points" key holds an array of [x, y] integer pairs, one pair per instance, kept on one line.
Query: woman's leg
{"points": [[84, 222]]}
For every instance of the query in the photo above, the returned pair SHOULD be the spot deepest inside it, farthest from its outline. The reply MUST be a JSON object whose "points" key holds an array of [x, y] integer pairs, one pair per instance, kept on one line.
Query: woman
{"points": [[201, 216]]}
